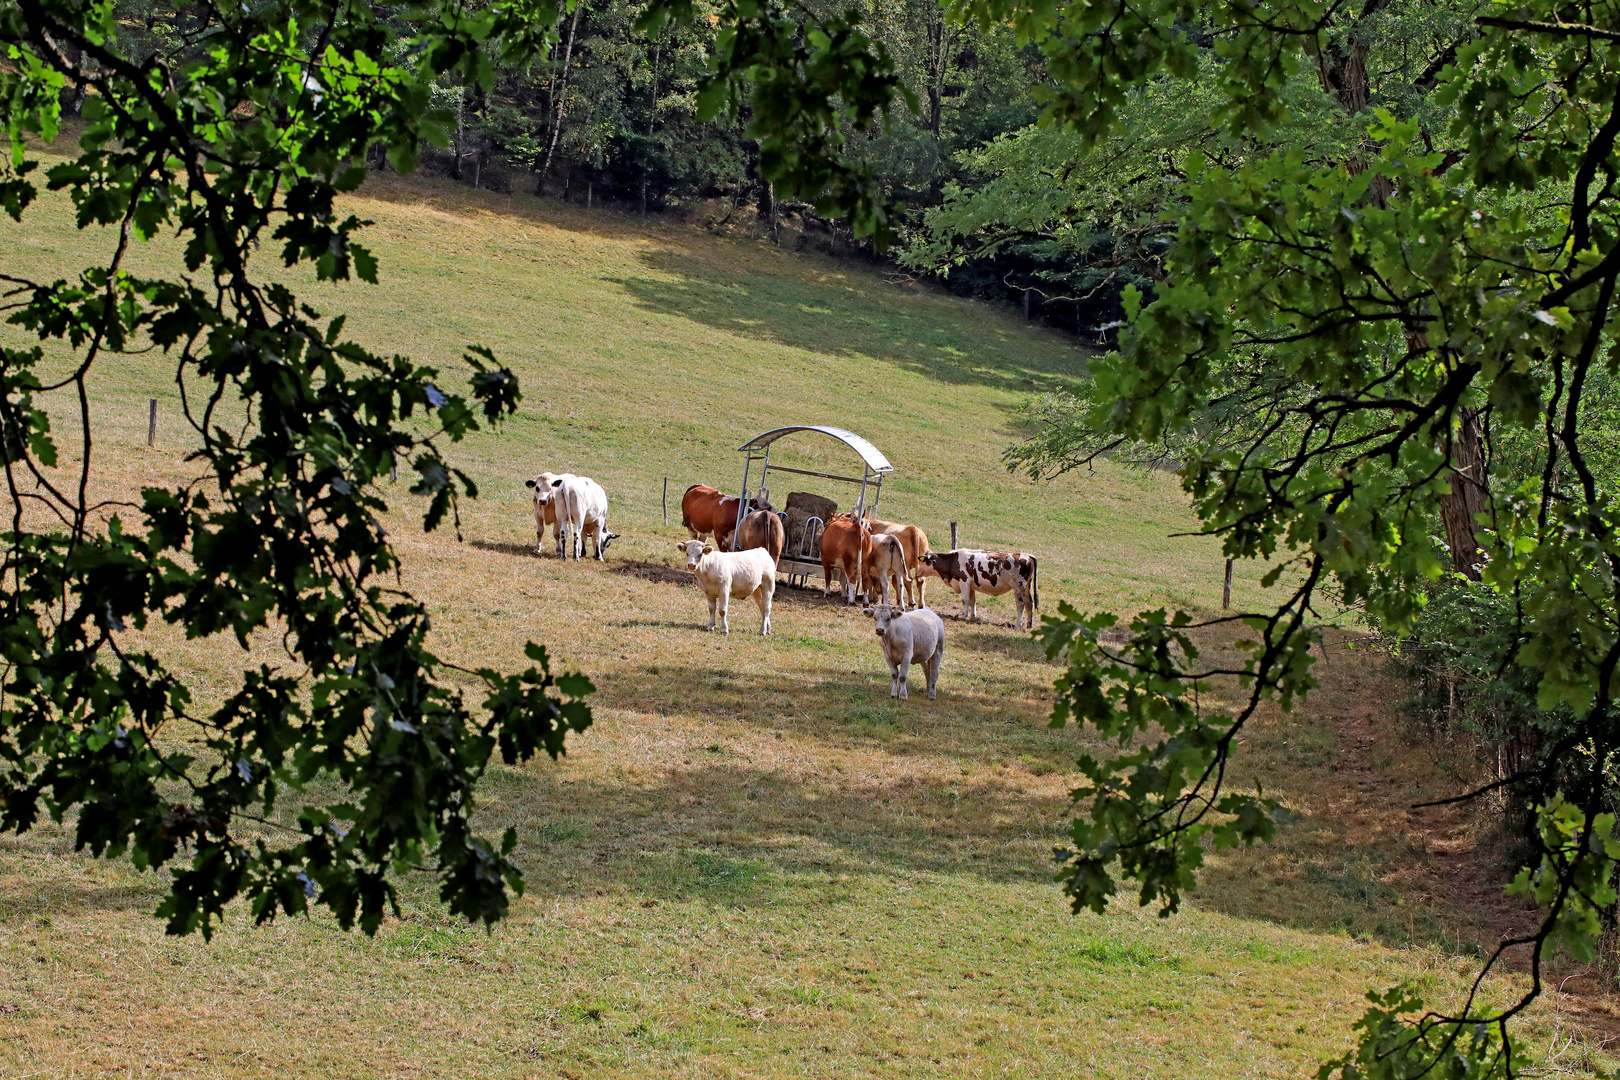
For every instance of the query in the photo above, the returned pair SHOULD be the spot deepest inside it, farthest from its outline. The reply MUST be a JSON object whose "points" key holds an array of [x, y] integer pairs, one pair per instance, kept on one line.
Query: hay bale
{"points": [[801, 507]]}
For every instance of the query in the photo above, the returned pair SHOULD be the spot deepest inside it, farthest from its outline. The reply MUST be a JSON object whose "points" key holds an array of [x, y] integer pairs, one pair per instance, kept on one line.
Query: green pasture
{"points": [[756, 864]]}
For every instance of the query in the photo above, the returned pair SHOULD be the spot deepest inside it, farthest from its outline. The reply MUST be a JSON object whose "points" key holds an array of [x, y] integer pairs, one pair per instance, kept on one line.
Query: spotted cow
{"points": [[971, 572]]}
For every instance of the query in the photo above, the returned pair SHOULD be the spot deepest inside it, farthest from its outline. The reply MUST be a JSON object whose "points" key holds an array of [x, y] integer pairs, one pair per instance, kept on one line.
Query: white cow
{"points": [[545, 509], [907, 637], [582, 508], [728, 575]]}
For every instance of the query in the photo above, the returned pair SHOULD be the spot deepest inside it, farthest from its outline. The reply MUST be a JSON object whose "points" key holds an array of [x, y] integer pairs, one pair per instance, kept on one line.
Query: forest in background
{"points": [[610, 118]]}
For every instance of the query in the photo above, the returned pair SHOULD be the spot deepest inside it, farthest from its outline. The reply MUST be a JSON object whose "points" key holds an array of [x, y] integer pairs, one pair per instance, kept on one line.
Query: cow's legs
{"points": [[762, 597], [932, 667], [902, 672], [894, 679], [712, 602], [725, 607], [967, 601]]}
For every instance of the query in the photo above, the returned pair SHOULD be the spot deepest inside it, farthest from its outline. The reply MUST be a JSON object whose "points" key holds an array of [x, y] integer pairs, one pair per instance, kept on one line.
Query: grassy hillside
{"points": [[756, 864]]}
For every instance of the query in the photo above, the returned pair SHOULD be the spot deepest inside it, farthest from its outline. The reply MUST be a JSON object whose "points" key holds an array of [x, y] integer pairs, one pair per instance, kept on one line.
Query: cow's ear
{"points": [[708, 549], [557, 482], [528, 483], [866, 611]]}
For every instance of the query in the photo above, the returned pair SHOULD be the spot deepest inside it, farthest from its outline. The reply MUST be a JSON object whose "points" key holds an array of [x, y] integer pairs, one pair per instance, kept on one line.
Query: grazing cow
{"points": [[545, 509], [706, 511], [971, 572], [762, 529], [846, 544], [915, 543], [888, 562], [728, 575], [907, 637], [582, 508]]}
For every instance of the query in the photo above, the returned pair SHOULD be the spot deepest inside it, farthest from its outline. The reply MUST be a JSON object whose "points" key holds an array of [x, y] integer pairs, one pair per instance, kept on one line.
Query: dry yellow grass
{"points": [[755, 864]]}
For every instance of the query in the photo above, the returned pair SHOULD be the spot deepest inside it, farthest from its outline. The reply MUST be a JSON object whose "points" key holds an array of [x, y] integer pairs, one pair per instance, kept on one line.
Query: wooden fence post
{"points": [[151, 422], [954, 544], [666, 500], [1226, 593]]}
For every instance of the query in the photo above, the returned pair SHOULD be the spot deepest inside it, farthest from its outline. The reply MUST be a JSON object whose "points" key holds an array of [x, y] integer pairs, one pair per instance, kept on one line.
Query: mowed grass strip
{"points": [[756, 864]]}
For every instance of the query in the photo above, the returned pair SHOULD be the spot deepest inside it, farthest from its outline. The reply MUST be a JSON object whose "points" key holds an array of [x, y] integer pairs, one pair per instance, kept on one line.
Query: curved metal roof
{"points": [[870, 454]]}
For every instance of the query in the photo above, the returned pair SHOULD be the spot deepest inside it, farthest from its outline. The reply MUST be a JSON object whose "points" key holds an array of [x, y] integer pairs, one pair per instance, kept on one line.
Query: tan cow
{"points": [[888, 563], [915, 543], [762, 529]]}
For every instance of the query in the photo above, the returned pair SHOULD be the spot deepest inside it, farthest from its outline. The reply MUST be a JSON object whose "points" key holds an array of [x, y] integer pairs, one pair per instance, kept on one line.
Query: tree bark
{"points": [[557, 105], [1469, 495], [1342, 69], [461, 130]]}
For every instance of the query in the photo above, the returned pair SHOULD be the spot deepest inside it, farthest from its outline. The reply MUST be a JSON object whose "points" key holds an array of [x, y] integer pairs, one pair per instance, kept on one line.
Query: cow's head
{"points": [[608, 538], [693, 550], [762, 501], [882, 615], [545, 487]]}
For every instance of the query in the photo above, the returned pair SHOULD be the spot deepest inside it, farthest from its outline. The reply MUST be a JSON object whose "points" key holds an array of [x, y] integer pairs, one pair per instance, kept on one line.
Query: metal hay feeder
{"points": [[874, 467]]}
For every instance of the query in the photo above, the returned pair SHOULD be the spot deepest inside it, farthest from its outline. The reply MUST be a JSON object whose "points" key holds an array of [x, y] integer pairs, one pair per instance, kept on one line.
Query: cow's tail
{"points": [[685, 524], [1035, 582]]}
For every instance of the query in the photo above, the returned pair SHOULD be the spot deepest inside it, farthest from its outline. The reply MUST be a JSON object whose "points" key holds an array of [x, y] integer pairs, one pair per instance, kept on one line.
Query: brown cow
{"points": [[915, 544], [706, 511], [846, 544], [762, 529]]}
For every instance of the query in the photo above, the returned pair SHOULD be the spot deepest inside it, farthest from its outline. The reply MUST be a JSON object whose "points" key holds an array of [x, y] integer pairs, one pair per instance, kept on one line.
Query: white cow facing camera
{"points": [[909, 637], [728, 575]]}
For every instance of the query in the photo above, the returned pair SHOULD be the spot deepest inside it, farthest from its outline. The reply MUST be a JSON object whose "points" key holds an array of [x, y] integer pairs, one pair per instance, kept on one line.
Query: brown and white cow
{"points": [[971, 572], [846, 544], [707, 511], [762, 529], [915, 544], [545, 509]]}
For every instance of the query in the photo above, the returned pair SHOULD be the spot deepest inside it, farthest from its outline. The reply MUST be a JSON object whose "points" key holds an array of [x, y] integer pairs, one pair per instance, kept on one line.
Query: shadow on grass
{"points": [[1017, 645], [739, 827], [835, 319], [662, 573], [504, 547], [976, 717], [68, 899]]}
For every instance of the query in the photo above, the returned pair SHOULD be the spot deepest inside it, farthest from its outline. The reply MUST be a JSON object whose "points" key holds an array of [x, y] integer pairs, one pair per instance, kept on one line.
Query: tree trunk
{"points": [[1469, 495], [1342, 69], [557, 105], [461, 130]]}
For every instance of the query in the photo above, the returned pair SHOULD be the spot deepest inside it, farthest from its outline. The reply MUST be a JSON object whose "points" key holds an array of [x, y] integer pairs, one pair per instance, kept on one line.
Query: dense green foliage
{"points": [[239, 132], [1343, 328]]}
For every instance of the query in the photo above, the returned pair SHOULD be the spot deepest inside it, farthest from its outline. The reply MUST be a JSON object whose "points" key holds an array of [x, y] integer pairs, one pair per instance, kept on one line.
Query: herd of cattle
{"points": [[742, 563]]}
